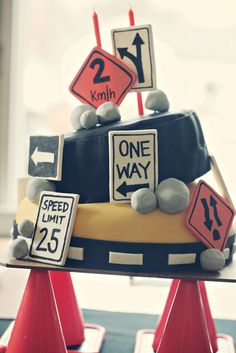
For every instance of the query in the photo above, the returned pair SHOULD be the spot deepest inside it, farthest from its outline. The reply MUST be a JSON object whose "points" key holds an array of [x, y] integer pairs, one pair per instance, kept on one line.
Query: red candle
{"points": [[131, 17], [96, 29], [139, 94]]}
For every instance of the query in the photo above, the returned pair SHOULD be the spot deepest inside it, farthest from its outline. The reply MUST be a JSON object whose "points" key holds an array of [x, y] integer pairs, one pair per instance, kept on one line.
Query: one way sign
{"points": [[134, 46], [133, 162], [45, 156]]}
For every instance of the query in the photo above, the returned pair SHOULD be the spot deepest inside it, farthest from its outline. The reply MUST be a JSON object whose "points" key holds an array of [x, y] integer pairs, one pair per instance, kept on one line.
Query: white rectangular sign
{"points": [[133, 162], [134, 46], [53, 228]]}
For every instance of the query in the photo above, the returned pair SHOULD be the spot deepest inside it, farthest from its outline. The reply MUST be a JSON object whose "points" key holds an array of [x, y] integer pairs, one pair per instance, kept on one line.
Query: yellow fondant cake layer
{"points": [[119, 222]]}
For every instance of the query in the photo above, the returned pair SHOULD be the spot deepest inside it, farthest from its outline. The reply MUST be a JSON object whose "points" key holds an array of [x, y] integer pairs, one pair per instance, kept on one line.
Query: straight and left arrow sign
{"points": [[134, 47], [45, 156]]}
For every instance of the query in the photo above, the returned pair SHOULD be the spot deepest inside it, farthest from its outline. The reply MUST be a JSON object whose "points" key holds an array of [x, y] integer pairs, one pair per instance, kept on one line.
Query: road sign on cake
{"points": [[102, 78], [45, 156], [209, 217], [53, 229], [133, 162], [134, 46]]}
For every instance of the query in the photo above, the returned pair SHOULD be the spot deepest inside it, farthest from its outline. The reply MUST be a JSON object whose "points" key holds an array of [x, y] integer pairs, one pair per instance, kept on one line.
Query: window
{"points": [[48, 41], [5, 51]]}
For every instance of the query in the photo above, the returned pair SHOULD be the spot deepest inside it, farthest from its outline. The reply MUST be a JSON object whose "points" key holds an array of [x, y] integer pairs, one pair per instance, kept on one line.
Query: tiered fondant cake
{"points": [[114, 236], [135, 179]]}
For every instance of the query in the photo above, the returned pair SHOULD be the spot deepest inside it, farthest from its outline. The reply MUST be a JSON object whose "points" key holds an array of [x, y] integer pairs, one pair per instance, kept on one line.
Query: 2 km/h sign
{"points": [[102, 78]]}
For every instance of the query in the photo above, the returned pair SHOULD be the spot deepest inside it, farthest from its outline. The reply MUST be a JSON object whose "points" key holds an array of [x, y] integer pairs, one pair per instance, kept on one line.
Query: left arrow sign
{"points": [[45, 156], [42, 157]]}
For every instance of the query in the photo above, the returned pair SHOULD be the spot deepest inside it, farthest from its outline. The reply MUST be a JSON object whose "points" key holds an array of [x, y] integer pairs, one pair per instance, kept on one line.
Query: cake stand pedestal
{"points": [[186, 324], [49, 319]]}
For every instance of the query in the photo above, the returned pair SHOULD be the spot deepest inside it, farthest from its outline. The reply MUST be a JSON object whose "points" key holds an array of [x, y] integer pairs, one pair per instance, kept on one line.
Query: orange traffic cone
{"points": [[161, 323], [186, 329], [71, 318], [37, 327], [209, 319]]}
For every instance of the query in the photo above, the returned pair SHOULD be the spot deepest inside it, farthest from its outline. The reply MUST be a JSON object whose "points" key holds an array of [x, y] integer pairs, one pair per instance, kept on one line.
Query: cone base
{"points": [[94, 335], [144, 340]]}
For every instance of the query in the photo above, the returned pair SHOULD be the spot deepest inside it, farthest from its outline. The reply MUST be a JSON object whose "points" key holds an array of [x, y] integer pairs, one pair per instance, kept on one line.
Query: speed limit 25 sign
{"points": [[53, 228], [102, 78]]}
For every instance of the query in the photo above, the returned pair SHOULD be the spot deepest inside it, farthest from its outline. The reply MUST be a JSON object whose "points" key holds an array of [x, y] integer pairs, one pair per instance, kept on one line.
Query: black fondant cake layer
{"points": [[182, 153], [155, 256]]}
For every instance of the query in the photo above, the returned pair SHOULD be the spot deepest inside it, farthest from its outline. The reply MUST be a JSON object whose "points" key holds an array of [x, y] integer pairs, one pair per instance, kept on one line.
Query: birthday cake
{"points": [[140, 207]]}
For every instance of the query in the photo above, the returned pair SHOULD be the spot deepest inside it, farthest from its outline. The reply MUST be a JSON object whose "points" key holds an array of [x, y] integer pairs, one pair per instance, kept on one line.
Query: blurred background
{"points": [[43, 44]]}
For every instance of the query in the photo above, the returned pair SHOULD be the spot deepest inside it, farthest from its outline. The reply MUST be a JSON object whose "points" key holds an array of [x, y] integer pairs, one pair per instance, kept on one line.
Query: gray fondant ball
{"points": [[143, 201], [212, 260], [88, 119], [172, 195], [76, 115], [18, 248], [36, 186], [26, 228], [157, 101], [108, 112]]}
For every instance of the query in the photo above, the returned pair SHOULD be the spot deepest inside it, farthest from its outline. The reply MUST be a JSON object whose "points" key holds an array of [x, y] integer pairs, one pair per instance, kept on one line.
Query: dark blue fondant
{"points": [[155, 256], [181, 148]]}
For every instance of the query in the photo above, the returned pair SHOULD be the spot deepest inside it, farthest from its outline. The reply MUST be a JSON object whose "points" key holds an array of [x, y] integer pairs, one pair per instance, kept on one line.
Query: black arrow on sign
{"points": [[208, 221], [123, 189], [213, 204], [216, 234], [137, 60]]}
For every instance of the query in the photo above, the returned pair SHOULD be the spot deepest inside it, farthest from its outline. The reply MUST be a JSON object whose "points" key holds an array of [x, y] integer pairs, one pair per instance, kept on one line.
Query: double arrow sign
{"points": [[209, 216]]}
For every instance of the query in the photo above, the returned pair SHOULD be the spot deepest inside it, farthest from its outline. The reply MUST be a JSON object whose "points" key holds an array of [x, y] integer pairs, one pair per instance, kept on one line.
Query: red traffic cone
{"points": [[209, 319], [161, 323], [186, 329], [37, 327], [71, 318]]}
